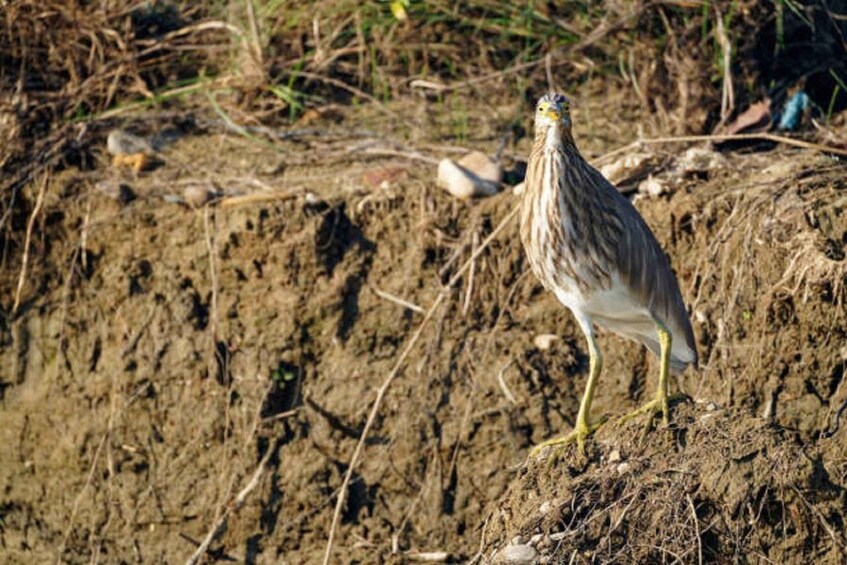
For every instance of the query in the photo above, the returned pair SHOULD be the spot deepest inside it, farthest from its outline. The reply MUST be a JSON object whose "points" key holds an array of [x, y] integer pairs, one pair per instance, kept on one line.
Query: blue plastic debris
{"points": [[792, 112]]}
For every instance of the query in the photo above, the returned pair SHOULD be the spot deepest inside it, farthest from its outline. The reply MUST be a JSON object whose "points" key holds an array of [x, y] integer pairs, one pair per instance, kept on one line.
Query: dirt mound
{"points": [[163, 354], [719, 484]]}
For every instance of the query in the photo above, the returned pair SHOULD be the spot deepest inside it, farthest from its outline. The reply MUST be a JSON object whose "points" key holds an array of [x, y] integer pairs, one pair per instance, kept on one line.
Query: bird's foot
{"points": [[659, 405], [578, 435]]}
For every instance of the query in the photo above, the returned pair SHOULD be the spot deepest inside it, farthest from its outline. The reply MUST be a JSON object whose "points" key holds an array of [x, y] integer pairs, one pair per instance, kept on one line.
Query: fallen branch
{"points": [[728, 137]]}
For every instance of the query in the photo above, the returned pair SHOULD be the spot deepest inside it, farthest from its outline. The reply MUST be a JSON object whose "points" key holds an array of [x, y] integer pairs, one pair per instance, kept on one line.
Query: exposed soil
{"points": [[161, 351]]}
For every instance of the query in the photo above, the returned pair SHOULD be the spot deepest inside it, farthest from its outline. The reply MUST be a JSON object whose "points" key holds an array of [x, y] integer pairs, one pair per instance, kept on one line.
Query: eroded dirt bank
{"points": [[168, 349]]}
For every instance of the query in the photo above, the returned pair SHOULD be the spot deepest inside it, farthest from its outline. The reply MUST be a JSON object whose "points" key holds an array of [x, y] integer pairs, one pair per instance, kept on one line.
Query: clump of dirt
{"points": [[162, 353]]}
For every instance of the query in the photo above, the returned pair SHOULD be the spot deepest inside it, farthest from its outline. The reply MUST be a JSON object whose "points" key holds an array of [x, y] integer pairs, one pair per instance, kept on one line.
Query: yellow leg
{"points": [[661, 402], [583, 427]]}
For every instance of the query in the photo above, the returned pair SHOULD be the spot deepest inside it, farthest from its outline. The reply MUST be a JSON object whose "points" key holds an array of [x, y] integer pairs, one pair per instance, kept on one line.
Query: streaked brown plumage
{"points": [[589, 246]]}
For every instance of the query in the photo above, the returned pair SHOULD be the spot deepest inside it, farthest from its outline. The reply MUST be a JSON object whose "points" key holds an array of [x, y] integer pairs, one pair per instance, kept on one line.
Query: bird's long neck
{"points": [[553, 219], [553, 153], [542, 204]]}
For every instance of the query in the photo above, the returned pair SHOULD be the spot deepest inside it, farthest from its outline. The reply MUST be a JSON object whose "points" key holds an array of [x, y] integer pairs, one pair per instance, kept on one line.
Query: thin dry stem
{"points": [[728, 137], [397, 300], [235, 505], [39, 201]]}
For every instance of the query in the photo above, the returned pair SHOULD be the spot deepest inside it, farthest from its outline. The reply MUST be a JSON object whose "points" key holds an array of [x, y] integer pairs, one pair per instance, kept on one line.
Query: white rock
{"points": [[519, 188], [697, 160], [518, 540], [536, 539], [545, 507], [544, 341], [482, 166], [121, 142], [653, 187], [623, 468], [629, 167], [463, 183], [517, 555], [614, 456]]}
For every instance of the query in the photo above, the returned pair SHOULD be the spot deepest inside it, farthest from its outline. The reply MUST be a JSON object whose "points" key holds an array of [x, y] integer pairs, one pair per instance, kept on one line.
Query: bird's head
{"points": [[553, 110]]}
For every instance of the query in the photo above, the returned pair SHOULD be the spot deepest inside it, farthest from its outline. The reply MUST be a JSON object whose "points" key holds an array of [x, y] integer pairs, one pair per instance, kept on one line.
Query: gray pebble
{"points": [[518, 555]]}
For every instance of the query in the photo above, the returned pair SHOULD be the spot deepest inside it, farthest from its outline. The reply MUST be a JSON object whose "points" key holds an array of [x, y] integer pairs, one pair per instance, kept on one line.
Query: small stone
{"points": [[536, 539], [623, 468], [518, 555], [653, 187], [519, 188], [629, 167], [197, 195], [463, 183], [482, 166], [614, 456], [120, 142], [544, 341], [696, 160], [518, 540], [545, 507]]}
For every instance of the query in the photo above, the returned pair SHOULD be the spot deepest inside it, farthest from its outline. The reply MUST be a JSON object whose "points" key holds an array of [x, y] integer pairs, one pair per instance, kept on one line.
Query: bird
{"points": [[589, 246]]}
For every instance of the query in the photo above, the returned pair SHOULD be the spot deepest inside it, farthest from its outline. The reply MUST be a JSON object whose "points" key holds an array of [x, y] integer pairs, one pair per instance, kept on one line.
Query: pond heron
{"points": [[588, 245]]}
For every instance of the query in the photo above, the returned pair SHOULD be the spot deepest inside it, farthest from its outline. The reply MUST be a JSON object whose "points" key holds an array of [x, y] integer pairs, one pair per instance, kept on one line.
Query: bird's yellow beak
{"points": [[550, 111]]}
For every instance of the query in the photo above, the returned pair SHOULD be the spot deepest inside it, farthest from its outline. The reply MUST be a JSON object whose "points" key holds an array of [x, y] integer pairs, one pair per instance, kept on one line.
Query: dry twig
{"points": [[397, 300], [236, 504], [727, 137], [39, 201]]}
